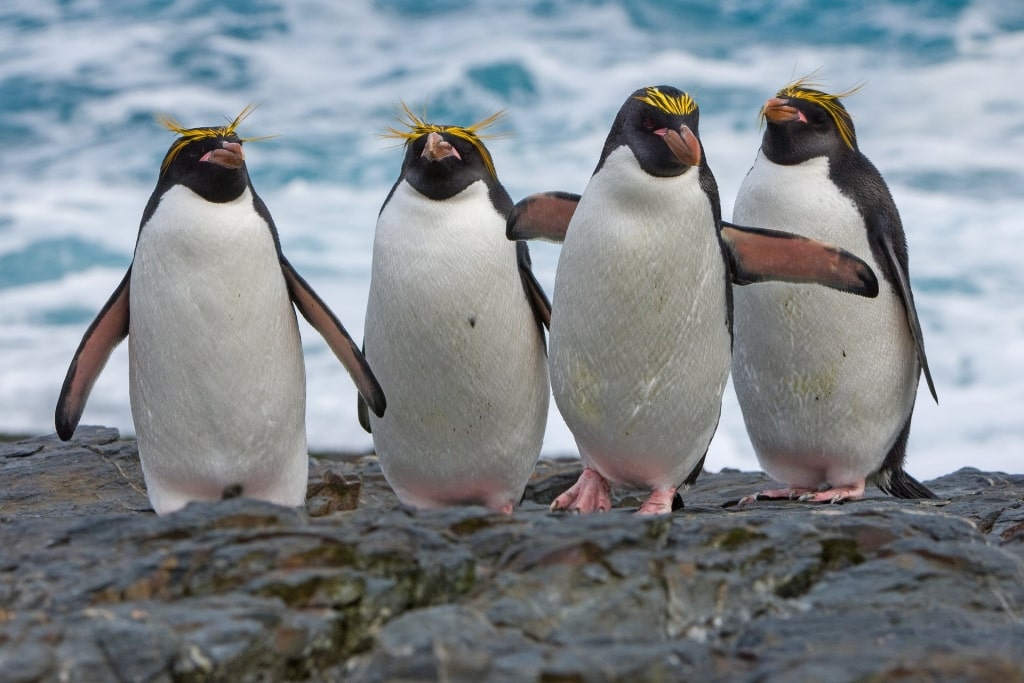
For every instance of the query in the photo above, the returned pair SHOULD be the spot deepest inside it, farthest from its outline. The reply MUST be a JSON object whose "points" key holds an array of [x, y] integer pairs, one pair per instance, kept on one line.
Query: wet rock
{"points": [[95, 587]]}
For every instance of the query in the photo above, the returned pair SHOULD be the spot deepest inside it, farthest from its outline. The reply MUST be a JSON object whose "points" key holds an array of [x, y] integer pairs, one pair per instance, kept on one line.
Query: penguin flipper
{"points": [[362, 410], [109, 329], [695, 472], [363, 413], [316, 312], [544, 216], [539, 301], [759, 255], [902, 283]]}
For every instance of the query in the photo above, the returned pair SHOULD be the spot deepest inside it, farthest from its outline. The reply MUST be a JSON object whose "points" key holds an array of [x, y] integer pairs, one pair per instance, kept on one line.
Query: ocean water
{"points": [[941, 113]]}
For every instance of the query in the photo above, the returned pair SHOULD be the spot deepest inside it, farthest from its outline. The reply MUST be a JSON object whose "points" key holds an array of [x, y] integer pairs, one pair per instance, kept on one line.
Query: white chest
{"points": [[818, 371], [216, 370], [444, 252], [452, 339], [801, 199], [639, 342], [196, 243]]}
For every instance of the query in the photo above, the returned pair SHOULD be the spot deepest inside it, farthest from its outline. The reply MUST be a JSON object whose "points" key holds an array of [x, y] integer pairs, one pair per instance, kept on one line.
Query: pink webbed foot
{"points": [[776, 494], [658, 503], [505, 509], [590, 493], [837, 494]]}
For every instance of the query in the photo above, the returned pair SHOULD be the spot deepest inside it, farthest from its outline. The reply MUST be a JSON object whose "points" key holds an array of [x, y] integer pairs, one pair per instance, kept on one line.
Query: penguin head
{"points": [[442, 161], [804, 122], [659, 125], [208, 161]]}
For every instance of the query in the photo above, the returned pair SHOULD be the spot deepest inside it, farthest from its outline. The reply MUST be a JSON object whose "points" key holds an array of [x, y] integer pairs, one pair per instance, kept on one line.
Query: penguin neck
{"points": [[473, 192], [622, 179], [450, 221], [801, 197], [186, 223], [446, 191], [784, 148]]}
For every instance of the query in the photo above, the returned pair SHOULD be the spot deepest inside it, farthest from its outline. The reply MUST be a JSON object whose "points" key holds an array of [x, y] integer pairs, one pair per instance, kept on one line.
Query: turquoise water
{"points": [[941, 114]]}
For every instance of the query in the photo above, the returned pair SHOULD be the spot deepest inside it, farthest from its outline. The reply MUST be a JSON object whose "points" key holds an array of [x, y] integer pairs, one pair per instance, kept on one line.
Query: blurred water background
{"points": [[941, 114]]}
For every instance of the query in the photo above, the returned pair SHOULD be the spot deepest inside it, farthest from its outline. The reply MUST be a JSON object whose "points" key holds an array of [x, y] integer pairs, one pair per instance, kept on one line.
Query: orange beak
{"points": [[684, 144], [230, 155], [778, 110]]}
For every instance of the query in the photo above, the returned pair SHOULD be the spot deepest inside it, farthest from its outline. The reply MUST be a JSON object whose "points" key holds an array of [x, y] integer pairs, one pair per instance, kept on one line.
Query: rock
{"points": [[95, 587]]}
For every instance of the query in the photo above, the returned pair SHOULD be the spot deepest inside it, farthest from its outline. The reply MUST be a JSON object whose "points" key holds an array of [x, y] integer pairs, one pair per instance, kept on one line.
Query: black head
{"points": [[208, 161], [804, 123], [442, 161], [659, 125]]}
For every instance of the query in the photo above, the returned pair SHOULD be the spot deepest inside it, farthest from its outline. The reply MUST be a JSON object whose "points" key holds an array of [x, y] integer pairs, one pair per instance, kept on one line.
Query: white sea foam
{"points": [[81, 154]]}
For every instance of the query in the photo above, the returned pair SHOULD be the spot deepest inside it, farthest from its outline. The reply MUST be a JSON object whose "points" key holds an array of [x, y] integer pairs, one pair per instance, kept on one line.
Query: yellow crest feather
{"points": [[189, 135], [806, 89], [680, 105], [418, 126]]}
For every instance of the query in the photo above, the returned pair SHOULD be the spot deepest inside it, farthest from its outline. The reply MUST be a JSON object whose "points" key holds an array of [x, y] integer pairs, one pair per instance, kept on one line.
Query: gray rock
{"points": [[95, 587]]}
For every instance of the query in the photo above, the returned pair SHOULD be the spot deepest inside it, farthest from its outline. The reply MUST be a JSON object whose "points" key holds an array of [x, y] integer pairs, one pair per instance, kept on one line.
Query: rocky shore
{"points": [[95, 587]]}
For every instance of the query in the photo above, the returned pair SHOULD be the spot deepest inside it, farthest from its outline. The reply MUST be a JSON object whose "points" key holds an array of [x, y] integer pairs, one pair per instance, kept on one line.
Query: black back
{"points": [[793, 142]]}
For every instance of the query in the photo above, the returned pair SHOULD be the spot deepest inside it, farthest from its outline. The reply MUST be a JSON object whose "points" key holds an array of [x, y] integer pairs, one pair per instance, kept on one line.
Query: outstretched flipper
{"points": [[107, 331], [316, 312], [543, 216], [759, 255]]}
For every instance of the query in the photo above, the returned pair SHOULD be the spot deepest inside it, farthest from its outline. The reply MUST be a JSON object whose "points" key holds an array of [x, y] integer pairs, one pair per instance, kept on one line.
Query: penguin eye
{"points": [[648, 124], [819, 119]]}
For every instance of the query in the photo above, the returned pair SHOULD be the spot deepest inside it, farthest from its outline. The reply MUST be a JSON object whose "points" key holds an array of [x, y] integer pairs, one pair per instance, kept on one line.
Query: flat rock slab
{"points": [[95, 587]]}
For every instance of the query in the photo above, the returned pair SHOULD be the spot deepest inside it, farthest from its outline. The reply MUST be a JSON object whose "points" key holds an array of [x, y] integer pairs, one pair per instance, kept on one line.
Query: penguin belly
{"points": [[825, 381], [454, 344], [639, 348], [216, 371]]}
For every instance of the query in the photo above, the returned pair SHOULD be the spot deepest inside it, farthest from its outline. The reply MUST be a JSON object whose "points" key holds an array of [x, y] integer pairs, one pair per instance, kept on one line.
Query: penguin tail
{"points": [[899, 484], [232, 491]]}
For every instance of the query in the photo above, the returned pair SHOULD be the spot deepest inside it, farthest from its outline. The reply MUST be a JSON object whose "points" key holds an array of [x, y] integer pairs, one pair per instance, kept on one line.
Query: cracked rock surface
{"points": [[95, 587]]}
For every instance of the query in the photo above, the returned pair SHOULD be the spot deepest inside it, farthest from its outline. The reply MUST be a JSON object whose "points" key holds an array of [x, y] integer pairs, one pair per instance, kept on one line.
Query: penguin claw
{"points": [[797, 494], [836, 494], [658, 503], [590, 493]]}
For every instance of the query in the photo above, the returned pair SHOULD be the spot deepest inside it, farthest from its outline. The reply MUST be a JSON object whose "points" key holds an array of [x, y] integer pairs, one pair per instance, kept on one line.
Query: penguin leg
{"points": [[659, 502], [590, 493], [836, 494], [501, 504], [776, 494]]}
